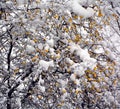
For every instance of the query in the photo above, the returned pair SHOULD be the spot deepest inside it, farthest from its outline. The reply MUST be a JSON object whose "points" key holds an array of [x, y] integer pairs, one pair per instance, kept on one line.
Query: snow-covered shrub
{"points": [[57, 55]]}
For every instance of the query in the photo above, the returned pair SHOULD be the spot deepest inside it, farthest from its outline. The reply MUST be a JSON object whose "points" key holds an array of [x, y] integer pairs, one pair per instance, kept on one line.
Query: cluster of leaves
{"points": [[25, 35]]}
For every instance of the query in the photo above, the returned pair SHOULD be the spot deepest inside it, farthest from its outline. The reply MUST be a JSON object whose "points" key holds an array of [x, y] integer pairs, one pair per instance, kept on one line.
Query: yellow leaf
{"points": [[77, 38], [35, 40], [98, 90], [77, 91], [93, 87], [70, 20], [58, 56], [16, 70], [96, 33], [68, 70], [95, 68], [75, 17], [69, 41], [61, 104], [23, 63], [0, 12], [57, 84], [63, 17], [73, 26], [66, 30], [37, 1], [99, 79], [115, 82], [27, 33], [64, 90], [56, 16]]}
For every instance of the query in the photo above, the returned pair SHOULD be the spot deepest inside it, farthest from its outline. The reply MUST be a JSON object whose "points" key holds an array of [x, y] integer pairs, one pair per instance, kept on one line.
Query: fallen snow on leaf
{"points": [[42, 88], [30, 49], [73, 77], [50, 42], [46, 64], [81, 11]]}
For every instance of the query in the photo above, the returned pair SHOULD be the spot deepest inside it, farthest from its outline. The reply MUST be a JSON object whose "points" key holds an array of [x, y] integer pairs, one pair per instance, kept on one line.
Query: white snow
{"points": [[73, 77], [46, 47], [77, 69], [42, 88], [76, 6], [4, 29], [63, 82], [83, 53], [41, 81], [84, 56], [69, 61], [64, 96], [50, 42], [86, 2], [40, 46], [12, 14], [77, 82], [31, 42], [19, 102], [21, 86], [30, 49], [90, 62], [46, 64]]}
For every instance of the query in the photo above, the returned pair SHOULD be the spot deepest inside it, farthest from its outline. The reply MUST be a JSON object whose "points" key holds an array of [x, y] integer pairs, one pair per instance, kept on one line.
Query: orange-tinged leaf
{"points": [[106, 22], [39, 97], [115, 82], [75, 17], [100, 13], [90, 79], [81, 17], [94, 75], [34, 58], [116, 16]]}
